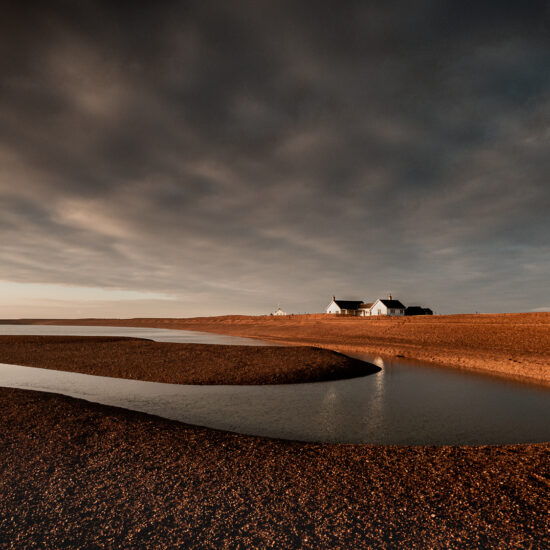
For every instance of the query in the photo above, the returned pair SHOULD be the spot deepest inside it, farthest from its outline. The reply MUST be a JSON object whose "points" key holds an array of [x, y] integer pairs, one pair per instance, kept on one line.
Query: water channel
{"points": [[406, 403]]}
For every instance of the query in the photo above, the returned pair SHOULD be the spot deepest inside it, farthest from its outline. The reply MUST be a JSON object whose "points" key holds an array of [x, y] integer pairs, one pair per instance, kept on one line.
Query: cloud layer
{"points": [[233, 155]]}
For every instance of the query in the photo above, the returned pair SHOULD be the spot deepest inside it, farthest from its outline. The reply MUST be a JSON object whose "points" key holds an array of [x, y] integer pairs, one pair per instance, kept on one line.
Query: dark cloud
{"points": [[249, 152]]}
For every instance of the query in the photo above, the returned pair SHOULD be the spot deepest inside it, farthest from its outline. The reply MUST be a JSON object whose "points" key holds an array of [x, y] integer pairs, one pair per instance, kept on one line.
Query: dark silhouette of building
{"points": [[417, 310]]}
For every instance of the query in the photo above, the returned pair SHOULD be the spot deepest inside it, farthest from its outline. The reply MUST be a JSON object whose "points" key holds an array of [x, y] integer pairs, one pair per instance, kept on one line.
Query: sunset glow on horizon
{"points": [[202, 158]]}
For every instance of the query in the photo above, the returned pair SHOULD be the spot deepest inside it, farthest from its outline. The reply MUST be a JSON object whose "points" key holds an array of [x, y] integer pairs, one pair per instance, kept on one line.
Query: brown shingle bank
{"points": [[174, 363], [514, 345], [78, 475]]}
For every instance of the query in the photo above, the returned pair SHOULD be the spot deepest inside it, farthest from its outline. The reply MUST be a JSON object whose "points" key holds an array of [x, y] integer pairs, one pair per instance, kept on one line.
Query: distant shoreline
{"points": [[515, 346]]}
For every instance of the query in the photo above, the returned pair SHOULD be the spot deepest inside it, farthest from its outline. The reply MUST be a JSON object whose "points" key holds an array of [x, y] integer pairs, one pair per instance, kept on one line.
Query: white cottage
{"points": [[343, 307], [390, 307], [279, 311]]}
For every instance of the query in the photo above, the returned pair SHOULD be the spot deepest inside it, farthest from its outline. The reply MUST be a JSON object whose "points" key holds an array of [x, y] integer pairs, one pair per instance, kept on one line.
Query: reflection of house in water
{"points": [[378, 361]]}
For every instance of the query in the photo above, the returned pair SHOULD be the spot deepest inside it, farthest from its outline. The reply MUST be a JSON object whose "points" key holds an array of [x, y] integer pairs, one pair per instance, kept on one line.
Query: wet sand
{"points": [[175, 363], [515, 345], [75, 474]]}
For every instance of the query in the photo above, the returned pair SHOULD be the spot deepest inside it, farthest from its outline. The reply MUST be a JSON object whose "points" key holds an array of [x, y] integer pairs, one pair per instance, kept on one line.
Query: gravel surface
{"points": [[514, 345], [180, 363], [79, 475]]}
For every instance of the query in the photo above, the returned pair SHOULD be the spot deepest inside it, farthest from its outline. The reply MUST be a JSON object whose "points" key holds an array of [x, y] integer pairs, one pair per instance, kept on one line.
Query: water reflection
{"points": [[327, 412], [405, 403], [374, 407], [160, 335]]}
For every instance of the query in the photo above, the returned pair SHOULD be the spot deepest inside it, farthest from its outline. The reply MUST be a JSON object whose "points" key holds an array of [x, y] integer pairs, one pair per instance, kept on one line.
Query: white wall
{"points": [[380, 307], [333, 308]]}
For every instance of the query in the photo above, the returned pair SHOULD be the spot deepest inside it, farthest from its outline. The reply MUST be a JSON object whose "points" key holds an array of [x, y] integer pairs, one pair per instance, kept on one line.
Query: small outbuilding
{"points": [[417, 310], [364, 309]]}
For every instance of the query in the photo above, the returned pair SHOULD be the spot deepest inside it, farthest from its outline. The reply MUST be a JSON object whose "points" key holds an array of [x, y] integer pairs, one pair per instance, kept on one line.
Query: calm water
{"points": [[160, 335], [405, 403]]}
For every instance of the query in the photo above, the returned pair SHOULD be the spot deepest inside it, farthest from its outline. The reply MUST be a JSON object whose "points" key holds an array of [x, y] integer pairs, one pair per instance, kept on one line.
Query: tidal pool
{"points": [[407, 403]]}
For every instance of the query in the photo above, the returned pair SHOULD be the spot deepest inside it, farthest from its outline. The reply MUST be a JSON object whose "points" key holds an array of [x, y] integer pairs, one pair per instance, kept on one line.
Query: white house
{"points": [[343, 307], [279, 311], [390, 307]]}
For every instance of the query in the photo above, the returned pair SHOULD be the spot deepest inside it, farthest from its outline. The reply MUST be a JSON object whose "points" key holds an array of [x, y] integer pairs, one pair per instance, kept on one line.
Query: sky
{"points": [[206, 158]]}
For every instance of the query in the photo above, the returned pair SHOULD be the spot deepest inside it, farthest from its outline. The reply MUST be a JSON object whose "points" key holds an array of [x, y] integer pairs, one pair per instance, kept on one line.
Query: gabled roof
{"points": [[366, 305], [348, 304], [394, 304]]}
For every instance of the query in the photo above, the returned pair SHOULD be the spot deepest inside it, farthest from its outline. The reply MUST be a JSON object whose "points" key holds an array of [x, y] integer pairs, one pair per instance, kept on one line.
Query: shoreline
{"points": [[179, 363], [514, 346], [79, 474], [76, 473], [388, 356]]}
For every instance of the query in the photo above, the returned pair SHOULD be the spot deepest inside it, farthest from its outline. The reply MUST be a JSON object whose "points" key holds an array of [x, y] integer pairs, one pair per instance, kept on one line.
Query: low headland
{"points": [[514, 345], [174, 363]]}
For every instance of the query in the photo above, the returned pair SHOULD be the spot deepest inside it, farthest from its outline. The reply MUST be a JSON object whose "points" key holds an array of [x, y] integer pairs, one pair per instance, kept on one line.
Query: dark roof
{"points": [[417, 310], [394, 304], [348, 304], [365, 305]]}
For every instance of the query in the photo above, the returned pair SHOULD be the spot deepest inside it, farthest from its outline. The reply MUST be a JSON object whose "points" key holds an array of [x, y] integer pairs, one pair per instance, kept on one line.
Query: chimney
{"points": [[333, 298], [389, 296]]}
